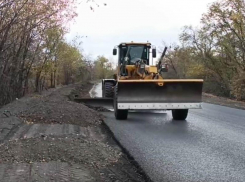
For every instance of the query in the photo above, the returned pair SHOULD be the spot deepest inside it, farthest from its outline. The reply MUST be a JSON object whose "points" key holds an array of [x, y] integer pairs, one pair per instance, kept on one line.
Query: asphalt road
{"points": [[208, 146]]}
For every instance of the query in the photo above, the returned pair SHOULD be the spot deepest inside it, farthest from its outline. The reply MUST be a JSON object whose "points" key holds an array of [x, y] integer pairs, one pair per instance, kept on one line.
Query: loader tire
{"points": [[119, 114], [108, 90], [179, 114]]}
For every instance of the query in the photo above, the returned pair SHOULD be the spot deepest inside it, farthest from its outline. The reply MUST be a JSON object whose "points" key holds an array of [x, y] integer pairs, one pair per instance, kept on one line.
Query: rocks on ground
{"points": [[49, 137]]}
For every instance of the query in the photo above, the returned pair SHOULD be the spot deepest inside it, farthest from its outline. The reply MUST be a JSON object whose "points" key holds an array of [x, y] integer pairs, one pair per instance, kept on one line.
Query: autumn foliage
{"points": [[215, 51], [31, 44]]}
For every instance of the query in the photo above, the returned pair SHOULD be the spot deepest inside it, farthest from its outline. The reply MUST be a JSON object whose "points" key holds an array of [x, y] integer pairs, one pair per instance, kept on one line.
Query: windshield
{"points": [[137, 52], [134, 53]]}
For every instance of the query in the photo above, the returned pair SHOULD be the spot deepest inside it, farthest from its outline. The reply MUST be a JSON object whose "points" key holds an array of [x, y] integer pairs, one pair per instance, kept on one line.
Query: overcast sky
{"points": [[134, 20]]}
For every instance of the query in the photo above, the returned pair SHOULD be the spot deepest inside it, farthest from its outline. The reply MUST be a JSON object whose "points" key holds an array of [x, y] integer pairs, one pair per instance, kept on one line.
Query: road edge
{"points": [[126, 152], [222, 101]]}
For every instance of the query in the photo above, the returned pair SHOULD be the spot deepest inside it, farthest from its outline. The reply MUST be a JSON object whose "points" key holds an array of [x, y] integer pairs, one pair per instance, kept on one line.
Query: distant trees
{"points": [[103, 68], [216, 51]]}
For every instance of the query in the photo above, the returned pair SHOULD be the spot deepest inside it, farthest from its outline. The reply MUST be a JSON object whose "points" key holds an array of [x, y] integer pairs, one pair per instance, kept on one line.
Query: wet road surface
{"points": [[96, 91], [208, 146]]}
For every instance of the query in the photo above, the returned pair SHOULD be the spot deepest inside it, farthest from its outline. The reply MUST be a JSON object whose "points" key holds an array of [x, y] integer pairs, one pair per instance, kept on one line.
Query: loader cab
{"points": [[133, 52]]}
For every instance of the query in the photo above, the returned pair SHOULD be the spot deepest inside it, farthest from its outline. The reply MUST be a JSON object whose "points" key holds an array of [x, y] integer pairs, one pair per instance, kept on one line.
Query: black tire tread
{"points": [[108, 88], [119, 114], [179, 114]]}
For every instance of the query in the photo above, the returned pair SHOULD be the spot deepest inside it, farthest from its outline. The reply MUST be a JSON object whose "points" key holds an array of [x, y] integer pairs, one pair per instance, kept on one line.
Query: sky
{"points": [[133, 20]]}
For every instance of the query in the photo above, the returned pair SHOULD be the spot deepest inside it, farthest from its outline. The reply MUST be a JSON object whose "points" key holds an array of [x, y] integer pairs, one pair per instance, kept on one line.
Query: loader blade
{"points": [[97, 102], [174, 94]]}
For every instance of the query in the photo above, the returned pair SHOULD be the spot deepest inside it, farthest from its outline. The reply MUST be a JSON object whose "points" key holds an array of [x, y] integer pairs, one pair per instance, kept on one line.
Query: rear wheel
{"points": [[108, 89], [119, 114], [179, 114]]}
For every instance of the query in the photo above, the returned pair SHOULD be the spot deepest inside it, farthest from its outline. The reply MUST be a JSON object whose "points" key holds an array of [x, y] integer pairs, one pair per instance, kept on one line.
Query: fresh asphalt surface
{"points": [[208, 146]]}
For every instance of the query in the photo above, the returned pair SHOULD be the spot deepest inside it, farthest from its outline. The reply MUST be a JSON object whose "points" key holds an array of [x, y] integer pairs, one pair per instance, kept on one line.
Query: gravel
{"points": [[42, 130]]}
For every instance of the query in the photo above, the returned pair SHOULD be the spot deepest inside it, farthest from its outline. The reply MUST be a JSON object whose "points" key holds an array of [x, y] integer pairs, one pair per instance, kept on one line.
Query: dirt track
{"points": [[212, 99], [50, 138]]}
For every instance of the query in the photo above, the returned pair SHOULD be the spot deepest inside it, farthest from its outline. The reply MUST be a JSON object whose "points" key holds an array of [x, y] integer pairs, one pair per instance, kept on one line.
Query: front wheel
{"points": [[179, 114], [108, 90], [119, 114]]}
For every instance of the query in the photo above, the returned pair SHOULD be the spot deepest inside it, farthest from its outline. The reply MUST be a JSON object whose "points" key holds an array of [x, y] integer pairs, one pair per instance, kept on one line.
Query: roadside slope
{"points": [[212, 99], [48, 137]]}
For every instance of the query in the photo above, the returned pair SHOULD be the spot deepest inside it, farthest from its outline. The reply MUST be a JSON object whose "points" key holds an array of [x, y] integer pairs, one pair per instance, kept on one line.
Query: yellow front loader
{"points": [[140, 86]]}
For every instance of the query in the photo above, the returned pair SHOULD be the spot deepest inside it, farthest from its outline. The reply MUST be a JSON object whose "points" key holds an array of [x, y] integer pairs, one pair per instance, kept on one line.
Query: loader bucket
{"points": [[155, 94]]}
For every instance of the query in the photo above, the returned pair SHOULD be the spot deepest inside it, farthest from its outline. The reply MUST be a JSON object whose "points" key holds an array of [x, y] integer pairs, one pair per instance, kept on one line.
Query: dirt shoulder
{"points": [[212, 99], [49, 137]]}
